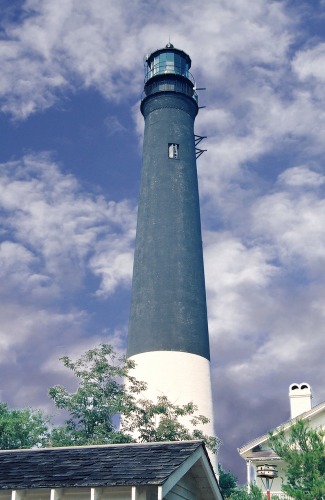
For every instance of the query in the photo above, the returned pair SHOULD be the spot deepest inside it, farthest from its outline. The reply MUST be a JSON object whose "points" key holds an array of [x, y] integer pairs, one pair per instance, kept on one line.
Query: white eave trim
{"points": [[262, 439], [199, 454]]}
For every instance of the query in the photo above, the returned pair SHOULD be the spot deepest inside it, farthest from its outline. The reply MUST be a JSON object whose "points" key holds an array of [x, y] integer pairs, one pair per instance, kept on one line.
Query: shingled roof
{"points": [[108, 465]]}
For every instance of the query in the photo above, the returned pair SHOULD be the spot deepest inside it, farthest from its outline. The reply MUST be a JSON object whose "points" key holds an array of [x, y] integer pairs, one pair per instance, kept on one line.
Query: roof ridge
{"points": [[108, 445], [124, 464], [287, 423]]}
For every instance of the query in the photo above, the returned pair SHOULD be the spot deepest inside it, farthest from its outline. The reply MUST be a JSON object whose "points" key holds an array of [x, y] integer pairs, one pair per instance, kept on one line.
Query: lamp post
{"points": [[267, 473]]}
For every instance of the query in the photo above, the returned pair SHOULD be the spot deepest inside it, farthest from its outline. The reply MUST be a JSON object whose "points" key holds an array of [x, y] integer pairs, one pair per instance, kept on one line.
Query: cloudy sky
{"points": [[70, 157]]}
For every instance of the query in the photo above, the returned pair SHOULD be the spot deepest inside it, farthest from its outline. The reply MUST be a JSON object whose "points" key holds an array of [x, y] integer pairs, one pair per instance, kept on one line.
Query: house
{"points": [[258, 452], [148, 471]]}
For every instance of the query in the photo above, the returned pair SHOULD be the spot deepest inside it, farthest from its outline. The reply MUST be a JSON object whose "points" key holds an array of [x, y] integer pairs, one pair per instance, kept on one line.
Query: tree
{"points": [[230, 489], [242, 494], [160, 421], [101, 396], [106, 393], [303, 450], [227, 482], [22, 428]]}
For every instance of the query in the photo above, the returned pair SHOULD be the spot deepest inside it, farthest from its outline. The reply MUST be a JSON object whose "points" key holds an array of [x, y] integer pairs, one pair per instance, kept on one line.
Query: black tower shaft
{"points": [[168, 310]]}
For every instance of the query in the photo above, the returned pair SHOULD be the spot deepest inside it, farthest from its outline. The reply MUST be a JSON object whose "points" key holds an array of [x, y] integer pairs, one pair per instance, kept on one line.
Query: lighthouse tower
{"points": [[168, 330]]}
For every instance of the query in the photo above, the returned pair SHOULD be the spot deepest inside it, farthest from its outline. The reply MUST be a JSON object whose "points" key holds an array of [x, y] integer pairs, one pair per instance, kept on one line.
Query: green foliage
{"points": [[303, 450], [242, 494], [100, 396], [107, 392], [22, 428], [70, 435], [161, 421], [227, 482]]}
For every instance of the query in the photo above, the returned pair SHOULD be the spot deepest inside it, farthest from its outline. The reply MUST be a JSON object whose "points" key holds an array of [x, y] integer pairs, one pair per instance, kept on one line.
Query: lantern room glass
{"points": [[168, 62]]}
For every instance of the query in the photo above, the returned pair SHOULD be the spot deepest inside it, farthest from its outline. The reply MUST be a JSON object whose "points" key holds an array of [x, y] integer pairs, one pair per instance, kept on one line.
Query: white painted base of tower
{"points": [[182, 377]]}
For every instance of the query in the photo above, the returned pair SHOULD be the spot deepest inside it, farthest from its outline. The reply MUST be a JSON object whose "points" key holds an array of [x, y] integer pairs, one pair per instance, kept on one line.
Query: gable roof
{"points": [[107, 465], [263, 439]]}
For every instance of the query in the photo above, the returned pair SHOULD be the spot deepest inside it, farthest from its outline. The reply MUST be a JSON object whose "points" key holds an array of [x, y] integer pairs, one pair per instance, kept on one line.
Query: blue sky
{"points": [[70, 158]]}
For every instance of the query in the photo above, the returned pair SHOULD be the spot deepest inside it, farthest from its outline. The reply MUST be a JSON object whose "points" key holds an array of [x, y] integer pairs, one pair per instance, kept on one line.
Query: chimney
{"points": [[300, 399]]}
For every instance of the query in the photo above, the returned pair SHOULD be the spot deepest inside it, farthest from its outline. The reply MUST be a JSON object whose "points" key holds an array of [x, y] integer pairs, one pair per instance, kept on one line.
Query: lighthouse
{"points": [[168, 330]]}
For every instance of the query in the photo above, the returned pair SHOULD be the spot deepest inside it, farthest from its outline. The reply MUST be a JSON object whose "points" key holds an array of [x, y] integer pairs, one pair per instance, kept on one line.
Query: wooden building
{"points": [[149, 471]]}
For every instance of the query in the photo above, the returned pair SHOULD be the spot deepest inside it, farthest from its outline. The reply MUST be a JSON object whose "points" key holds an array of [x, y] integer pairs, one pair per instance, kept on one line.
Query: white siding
{"points": [[185, 489], [318, 421], [118, 493]]}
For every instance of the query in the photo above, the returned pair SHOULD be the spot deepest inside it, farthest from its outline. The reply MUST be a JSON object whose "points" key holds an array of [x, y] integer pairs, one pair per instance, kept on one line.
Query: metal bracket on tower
{"points": [[199, 88], [198, 139]]}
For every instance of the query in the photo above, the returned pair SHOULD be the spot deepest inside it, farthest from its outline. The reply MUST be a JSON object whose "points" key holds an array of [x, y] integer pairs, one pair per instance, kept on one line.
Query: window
{"points": [[173, 150], [170, 62], [178, 64]]}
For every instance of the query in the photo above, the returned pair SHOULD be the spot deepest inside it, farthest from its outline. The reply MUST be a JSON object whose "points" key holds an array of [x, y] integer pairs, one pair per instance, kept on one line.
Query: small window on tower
{"points": [[173, 150]]}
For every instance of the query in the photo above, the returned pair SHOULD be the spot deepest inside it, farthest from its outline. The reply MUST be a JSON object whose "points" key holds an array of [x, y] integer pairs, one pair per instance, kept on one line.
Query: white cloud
{"points": [[67, 45], [113, 125], [100, 43], [23, 325], [293, 224], [269, 123], [263, 208], [54, 234], [56, 231], [310, 63], [236, 278], [301, 176], [113, 263], [265, 289]]}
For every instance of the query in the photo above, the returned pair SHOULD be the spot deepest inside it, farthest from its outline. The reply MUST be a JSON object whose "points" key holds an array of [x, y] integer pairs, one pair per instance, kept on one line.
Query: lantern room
{"points": [[167, 70], [167, 60]]}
